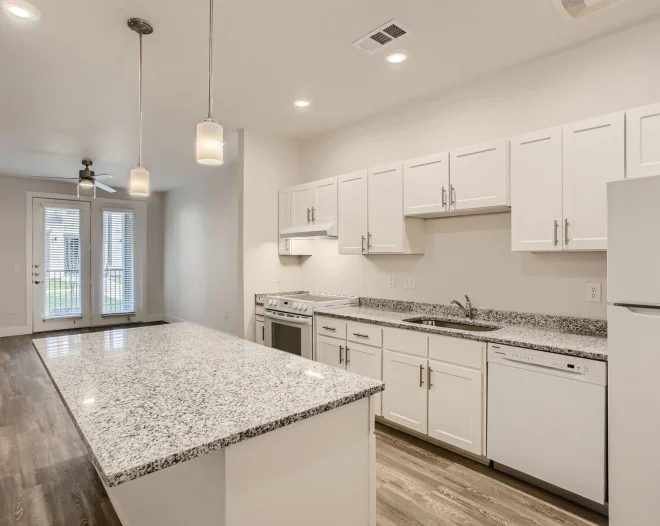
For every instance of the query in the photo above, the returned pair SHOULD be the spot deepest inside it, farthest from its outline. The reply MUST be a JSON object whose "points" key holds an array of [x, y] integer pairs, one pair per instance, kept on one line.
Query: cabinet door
{"points": [[593, 156], [536, 191], [325, 201], [385, 190], [330, 351], [643, 141], [260, 332], [405, 399], [353, 218], [367, 361], [284, 221], [302, 199], [456, 406], [426, 185], [479, 176]]}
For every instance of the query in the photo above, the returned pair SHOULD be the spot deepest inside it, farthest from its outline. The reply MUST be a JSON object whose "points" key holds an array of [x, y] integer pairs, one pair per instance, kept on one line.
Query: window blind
{"points": [[118, 284], [62, 277]]}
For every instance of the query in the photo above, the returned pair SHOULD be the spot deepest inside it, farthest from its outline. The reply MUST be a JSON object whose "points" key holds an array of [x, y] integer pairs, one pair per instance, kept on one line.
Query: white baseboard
{"points": [[14, 331], [153, 317], [171, 319]]}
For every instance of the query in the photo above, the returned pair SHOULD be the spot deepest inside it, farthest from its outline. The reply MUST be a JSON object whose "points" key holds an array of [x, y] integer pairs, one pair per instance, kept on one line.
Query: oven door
{"points": [[291, 333]]}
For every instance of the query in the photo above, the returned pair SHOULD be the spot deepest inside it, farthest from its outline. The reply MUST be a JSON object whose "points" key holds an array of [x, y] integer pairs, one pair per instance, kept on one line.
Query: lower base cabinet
{"points": [[260, 332], [330, 351], [404, 398], [455, 406]]}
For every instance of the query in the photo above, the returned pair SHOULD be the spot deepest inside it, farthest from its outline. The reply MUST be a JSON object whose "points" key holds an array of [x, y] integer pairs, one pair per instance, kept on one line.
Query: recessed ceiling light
{"points": [[396, 58], [21, 9], [301, 103]]}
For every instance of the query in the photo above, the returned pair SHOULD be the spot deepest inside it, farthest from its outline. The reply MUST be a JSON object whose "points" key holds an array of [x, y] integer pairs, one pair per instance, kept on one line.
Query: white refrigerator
{"points": [[633, 278]]}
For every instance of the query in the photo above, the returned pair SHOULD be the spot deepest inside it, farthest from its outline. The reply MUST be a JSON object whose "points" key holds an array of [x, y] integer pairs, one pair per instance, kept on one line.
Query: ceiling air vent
{"points": [[573, 9], [381, 37]]}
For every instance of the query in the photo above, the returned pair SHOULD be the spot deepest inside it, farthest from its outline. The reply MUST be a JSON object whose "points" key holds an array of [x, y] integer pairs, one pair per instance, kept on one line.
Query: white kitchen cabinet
{"points": [[455, 406], [324, 201], [426, 186], [290, 247], [367, 361], [594, 155], [389, 232], [405, 397], [330, 351], [260, 331], [353, 225], [302, 201], [536, 191], [479, 176], [643, 141]]}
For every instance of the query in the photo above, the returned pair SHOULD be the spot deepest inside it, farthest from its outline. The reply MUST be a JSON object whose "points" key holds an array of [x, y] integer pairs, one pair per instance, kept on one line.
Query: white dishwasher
{"points": [[547, 418]]}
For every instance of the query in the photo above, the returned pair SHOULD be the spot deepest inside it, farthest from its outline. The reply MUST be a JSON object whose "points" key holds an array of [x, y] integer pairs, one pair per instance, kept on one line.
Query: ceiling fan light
{"points": [[210, 143], [86, 183], [138, 184]]}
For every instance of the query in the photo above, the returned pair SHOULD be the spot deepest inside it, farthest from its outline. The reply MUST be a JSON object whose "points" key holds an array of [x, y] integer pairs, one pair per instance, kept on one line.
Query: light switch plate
{"points": [[392, 282], [409, 282], [593, 292], [17, 268]]}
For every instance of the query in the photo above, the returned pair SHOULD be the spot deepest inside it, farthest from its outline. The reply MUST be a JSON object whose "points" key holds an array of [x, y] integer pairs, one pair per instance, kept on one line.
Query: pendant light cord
{"points": [[211, 61], [140, 103]]}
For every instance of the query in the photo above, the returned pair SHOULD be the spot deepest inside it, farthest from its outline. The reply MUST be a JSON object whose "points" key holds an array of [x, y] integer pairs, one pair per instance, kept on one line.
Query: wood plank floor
{"points": [[46, 477]]}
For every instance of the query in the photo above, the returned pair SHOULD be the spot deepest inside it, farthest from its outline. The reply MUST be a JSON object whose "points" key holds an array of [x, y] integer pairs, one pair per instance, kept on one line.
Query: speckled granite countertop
{"points": [[555, 341], [146, 398]]}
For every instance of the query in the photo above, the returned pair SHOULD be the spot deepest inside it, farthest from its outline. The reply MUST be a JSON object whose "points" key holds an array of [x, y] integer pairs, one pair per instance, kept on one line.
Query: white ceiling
{"points": [[69, 81]]}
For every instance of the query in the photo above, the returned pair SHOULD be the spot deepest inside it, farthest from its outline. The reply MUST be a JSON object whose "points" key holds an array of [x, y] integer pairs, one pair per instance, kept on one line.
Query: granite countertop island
{"points": [[146, 399], [554, 340]]}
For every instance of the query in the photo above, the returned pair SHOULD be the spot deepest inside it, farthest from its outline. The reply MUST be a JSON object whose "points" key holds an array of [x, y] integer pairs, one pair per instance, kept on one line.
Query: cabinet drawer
{"points": [[331, 327], [260, 310], [459, 351], [364, 333], [408, 342]]}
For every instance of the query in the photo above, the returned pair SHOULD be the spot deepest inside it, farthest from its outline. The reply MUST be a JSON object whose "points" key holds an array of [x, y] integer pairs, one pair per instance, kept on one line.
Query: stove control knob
{"points": [[304, 307], [270, 302], [300, 306], [274, 302], [295, 305]]}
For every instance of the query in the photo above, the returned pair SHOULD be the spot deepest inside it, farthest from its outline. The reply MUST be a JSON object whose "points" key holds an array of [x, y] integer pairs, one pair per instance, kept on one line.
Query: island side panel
{"points": [[318, 471], [191, 492]]}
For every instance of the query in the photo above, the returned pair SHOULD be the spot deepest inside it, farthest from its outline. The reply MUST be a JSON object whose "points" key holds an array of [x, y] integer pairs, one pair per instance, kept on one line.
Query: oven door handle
{"points": [[287, 319]]}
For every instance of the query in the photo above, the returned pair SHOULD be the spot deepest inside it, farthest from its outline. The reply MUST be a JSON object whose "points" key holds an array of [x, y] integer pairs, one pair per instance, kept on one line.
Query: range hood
{"points": [[310, 230]]}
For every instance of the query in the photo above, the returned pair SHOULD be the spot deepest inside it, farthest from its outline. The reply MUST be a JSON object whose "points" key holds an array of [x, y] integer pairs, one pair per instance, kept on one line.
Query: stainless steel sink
{"points": [[452, 325]]}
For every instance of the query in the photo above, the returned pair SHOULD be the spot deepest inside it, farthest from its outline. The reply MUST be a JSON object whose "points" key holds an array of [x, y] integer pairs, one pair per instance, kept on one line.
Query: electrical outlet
{"points": [[392, 282], [593, 291], [17, 269], [409, 282], [277, 277], [11, 310]]}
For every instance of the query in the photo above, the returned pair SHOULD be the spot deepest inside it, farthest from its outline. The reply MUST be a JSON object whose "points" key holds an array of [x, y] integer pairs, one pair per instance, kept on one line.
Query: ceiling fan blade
{"points": [[58, 178], [104, 187], [102, 176]]}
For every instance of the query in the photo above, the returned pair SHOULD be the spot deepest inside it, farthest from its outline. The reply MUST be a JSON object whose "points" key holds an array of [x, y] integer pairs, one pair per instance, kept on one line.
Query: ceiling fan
{"points": [[86, 178]]}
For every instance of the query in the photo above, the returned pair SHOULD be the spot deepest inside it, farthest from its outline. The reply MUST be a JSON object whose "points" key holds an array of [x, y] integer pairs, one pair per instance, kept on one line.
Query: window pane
{"points": [[62, 277], [118, 263]]}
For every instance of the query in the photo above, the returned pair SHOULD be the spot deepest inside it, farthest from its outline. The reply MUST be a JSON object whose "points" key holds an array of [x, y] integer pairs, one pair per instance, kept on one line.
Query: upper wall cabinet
{"points": [[643, 141], [536, 191], [426, 186], [371, 214], [324, 201], [594, 155], [313, 210], [290, 247], [479, 176]]}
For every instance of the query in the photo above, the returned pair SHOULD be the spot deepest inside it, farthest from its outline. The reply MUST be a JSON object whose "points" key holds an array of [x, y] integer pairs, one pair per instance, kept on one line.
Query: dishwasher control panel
{"points": [[559, 362]]}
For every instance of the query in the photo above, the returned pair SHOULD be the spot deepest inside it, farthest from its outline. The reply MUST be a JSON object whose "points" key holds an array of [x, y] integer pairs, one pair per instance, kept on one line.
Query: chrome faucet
{"points": [[467, 308]]}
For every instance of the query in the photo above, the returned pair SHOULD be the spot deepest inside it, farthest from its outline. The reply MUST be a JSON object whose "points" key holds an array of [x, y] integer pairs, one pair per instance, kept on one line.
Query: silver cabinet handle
{"points": [[263, 333], [360, 335], [565, 231], [348, 356], [363, 240], [370, 238], [428, 379], [444, 197], [37, 282], [288, 245], [308, 214], [313, 215], [453, 196], [330, 329], [556, 240], [421, 375], [341, 358]]}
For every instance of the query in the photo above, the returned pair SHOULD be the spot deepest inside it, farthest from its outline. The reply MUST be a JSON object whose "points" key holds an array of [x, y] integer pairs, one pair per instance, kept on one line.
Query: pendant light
{"points": [[139, 177], [210, 140]]}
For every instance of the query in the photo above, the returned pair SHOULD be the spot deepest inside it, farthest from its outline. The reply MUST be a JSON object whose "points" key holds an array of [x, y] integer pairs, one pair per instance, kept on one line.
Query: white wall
{"points": [[269, 163], [201, 251], [12, 243], [472, 254]]}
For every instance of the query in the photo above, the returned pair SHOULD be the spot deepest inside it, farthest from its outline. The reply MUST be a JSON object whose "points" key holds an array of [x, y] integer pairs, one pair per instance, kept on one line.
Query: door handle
{"points": [[308, 212], [360, 335], [556, 239], [313, 215], [363, 240], [565, 231], [453, 196], [348, 356], [341, 358], [263, 333], [421, 375], [428, 378], [333, 329], [287, 245], [444, 197], [37, 282], [369, 243]]}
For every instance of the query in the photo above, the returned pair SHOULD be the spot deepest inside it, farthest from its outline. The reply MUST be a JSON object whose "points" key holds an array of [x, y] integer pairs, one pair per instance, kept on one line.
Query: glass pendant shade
{"points": [[139, 182], [210, 143]]}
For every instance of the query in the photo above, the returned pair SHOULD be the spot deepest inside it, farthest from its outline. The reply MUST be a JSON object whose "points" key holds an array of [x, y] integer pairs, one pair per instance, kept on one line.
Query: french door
{"points": [[61, 264]]}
